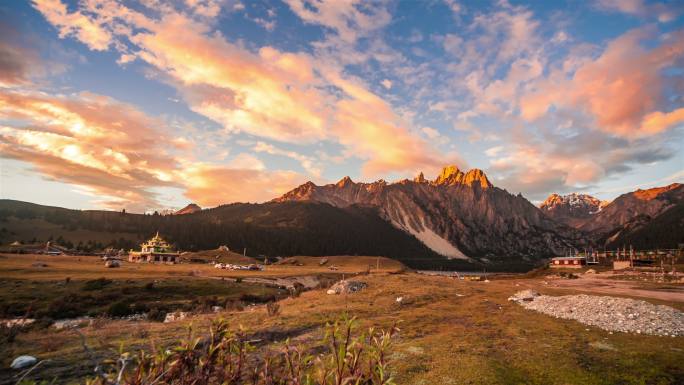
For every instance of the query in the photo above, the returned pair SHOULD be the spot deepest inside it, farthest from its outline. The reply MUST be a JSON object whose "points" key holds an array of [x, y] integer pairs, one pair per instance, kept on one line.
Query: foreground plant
{"points": [[225, 357]]}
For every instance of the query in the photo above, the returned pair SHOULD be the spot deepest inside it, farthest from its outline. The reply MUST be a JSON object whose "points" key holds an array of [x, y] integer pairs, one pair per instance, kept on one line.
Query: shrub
{"points": [[96, 284], [119, 309], [296, 290], [9, 333], [156, 314], [253, 298], [224, 357], [70, 306]]}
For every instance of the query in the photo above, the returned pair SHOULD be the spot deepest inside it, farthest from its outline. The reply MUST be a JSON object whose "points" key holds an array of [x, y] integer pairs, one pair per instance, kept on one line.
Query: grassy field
{"points": [[452, 332], [21, 266]]}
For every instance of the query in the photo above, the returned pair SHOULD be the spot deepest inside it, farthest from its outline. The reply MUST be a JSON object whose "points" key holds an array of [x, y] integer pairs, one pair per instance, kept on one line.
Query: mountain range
{"points": [[648, 218], [457, 220], [458, 215]]}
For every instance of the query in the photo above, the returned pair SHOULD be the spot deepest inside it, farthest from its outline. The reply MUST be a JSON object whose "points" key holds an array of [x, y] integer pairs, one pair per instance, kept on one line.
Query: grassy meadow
{"points": [[451, 331]]}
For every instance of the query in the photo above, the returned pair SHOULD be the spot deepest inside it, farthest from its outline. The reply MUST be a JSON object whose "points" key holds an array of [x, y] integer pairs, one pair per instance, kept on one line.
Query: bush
{"points": [[156, 314], [70, 306], [253, 298], [119, 309], [96, 284], [223, 357]]}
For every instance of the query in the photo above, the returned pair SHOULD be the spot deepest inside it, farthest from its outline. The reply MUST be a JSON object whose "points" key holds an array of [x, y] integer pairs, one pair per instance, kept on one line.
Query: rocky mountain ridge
{"points": [[573, 209], [649, 218], [460, 215]]}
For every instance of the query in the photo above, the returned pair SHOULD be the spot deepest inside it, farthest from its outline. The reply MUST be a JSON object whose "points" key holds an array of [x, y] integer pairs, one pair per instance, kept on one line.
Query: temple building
{"points": [[156, 250]]}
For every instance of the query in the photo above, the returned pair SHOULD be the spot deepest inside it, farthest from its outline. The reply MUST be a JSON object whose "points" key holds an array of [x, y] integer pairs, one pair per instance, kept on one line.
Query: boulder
{"points": [[345, 287], [112, 263], [524, 296], [177, 316], [22, 362]]}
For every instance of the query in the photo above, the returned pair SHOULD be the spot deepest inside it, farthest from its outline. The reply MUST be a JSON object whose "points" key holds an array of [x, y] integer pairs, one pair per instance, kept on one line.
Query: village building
{"points": [[569, 262], [47, 248], [156, 250]]}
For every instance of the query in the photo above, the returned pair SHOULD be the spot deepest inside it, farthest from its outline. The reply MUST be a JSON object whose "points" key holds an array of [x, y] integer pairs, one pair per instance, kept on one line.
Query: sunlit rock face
{"points": [[642, 204], [573, 209], [459, 215]]}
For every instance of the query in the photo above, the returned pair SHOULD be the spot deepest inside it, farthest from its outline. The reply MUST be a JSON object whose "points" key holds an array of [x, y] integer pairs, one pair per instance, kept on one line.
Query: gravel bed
{"points": [[611, 313]]}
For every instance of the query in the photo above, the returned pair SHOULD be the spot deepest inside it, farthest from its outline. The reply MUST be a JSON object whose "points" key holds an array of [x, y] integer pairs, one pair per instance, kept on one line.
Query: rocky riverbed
{"points": [[608, 313]]}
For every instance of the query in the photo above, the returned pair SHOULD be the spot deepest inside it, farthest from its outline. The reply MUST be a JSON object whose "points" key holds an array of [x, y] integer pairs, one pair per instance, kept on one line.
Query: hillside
{"points": [[220, 255], [625, 208], [665, 231], [271, 229]]}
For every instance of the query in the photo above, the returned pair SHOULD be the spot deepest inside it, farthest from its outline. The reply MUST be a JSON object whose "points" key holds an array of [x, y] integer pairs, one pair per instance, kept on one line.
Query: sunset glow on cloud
{"points": [[152, 104]]}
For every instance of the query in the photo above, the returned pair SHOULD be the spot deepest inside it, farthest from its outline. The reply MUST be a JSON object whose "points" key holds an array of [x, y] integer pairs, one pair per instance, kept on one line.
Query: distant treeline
{"points": [[270, 229]]}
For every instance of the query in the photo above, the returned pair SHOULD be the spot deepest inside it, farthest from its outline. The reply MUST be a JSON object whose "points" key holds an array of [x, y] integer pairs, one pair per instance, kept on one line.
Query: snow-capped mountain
{"points": [[573, 209]]}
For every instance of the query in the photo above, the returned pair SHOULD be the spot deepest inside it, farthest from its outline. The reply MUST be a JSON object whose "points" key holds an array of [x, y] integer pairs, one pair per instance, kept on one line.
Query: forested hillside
{"points": [[271, 229]]}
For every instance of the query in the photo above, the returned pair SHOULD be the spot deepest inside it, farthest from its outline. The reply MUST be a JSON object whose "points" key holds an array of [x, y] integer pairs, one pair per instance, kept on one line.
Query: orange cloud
{"points": [[120, 155], [657, 122], [212, 185], [622, 89], [271, 94], [89, 140]]}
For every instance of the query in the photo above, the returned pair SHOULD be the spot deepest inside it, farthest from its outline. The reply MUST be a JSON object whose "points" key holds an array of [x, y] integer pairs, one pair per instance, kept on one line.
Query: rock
{"points": [[20, 322], [216, 309], [73, 323], [345, 287], [39, 264], [176, 316], [611, 313], [524, 295], [22, 362], [112, 263]]}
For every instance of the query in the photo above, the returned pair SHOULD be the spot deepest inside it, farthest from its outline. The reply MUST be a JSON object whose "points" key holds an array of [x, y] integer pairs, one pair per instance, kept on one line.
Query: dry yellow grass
{"points": [[89, 267], [452, 332]]}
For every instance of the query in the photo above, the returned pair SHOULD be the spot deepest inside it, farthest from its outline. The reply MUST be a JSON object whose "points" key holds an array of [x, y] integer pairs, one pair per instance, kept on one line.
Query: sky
{"points": [[146, 105]]}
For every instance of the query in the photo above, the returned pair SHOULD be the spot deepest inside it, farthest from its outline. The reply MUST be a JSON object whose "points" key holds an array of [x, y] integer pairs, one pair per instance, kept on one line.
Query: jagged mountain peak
{"points": [[450, 175], [476, 177], [575, 200], [459, 214], [573, 209], [346, 181]]}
